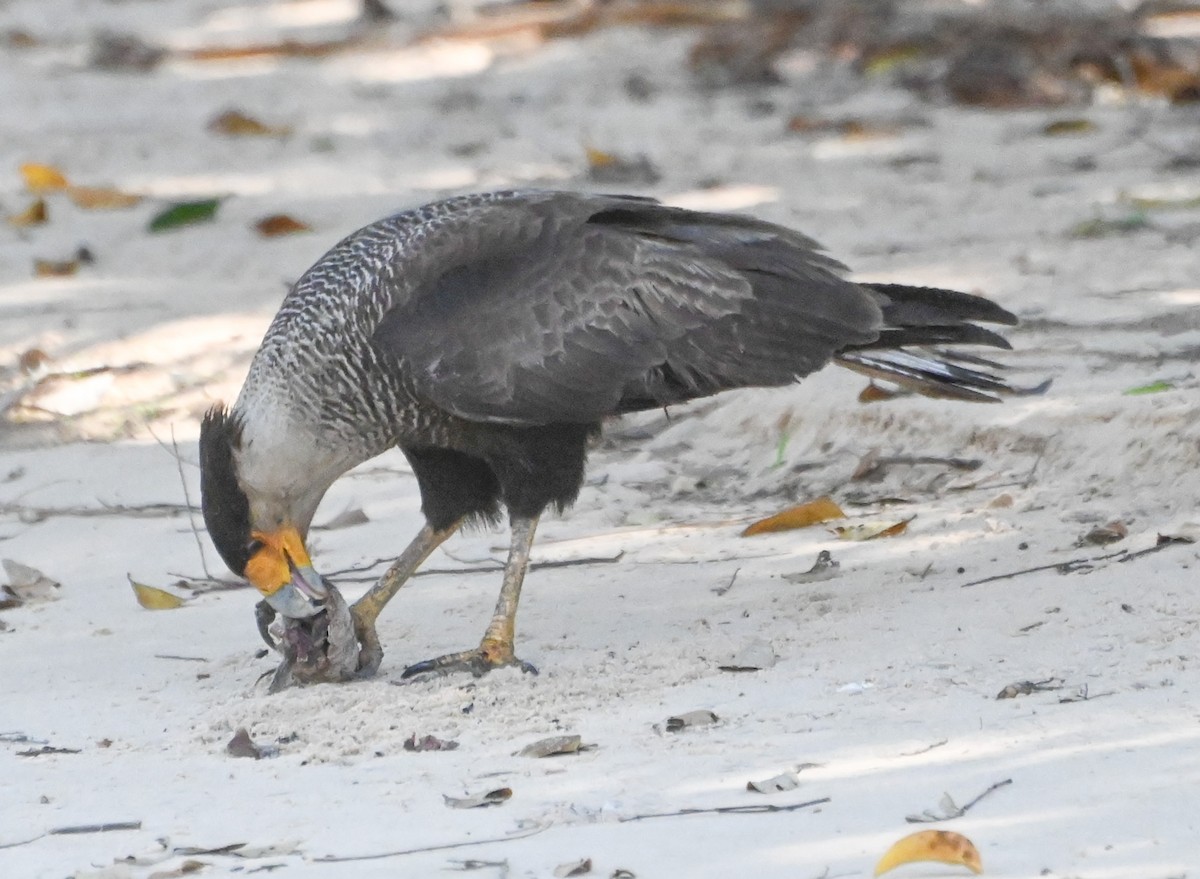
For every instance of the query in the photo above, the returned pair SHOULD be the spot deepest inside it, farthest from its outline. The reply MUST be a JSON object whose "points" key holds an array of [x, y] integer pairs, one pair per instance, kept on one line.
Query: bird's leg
{"points": [[366, 610], [496, 648]]}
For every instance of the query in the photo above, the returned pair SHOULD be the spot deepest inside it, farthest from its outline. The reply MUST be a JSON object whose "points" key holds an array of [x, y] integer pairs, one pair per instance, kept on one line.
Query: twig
{"points": [[1072, 565], [181, 658], [955, 811], [491, 568], [721, 590], [446, 846], [134, 511], [926, 749], [95, 828], [191, 509], [756, 809]]}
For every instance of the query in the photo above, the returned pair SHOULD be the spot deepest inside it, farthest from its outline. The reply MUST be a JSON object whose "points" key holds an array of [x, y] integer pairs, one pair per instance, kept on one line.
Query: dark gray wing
{"points": [[562, 307]]}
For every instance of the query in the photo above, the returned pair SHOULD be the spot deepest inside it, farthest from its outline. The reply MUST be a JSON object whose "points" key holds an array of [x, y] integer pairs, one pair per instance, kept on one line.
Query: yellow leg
{"points": [[496, 648]]}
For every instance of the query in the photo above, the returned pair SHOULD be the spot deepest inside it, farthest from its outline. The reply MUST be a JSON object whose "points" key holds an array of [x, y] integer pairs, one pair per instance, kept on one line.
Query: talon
{"points": [[487, 656]]}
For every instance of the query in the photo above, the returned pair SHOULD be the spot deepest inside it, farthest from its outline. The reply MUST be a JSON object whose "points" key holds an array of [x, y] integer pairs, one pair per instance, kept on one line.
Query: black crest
{"points": [[226, 509]]}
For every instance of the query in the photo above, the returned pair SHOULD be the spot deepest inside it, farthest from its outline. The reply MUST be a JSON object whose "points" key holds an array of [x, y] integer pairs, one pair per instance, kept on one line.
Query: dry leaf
{"points": [[43, 178], [28, 583], [943, 846], [241, 745], [429, 743], [479, 801], [812, 513], [554, 746], [185, 869], [55, 268], [824, 568], [34, 215], [234, 123], [99, 198], [785, 781], [1102, 535], [872, 530], [1059, 127], [153, 598], [33, 360], [702, 717], [574, 868], [754, 656], [280, 224]]}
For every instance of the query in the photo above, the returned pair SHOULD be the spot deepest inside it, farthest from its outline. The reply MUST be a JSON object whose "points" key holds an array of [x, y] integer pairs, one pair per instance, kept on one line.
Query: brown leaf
{"points": [[241, 745], [234, 123], [943, 846], [280, 224], [812, 513], [33, 360], [55, 268], [1102, 535], [479, 801], [99, 198], [42, 178], [34, 215], [554, 746]]}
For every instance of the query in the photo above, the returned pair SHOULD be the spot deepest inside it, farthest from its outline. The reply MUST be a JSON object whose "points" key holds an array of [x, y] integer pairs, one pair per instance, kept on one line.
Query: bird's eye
{"points": [[253, 547]]}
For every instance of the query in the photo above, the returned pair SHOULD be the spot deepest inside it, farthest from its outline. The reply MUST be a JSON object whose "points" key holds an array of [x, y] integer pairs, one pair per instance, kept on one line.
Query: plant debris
{"points": [[823, 509], [241, 745], [235, 123], [611, 169], [872, 530], [824, 568], [479, 801], [429, 743], [554, 746], [777, 784], [943, 846], [1103, 535], [756, 655], [950, 809], [34, 215], [46, 750], [276, 225], [153, 598], [184, 213], [26, 584], [573, 868], [690, 719], [1025, 688]]}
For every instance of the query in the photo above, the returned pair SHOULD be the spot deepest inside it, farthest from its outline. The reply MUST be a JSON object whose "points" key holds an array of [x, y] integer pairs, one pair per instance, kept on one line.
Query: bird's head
{"points": [[258, 535]]}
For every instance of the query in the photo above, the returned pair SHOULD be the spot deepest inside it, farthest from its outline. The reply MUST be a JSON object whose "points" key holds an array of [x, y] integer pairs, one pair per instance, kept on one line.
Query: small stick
{"points": [[95, 828], [756, 809], [191, 509], [446, 846], [721, 590], [1069, 566], [183, 658]]}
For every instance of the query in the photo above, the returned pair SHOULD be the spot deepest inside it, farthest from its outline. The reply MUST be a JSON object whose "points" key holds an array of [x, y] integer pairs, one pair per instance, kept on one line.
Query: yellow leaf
{"points": [[943, 846], [34, 215], [98, 198], [599, 158], [280, 224], [152, 598], [814, 512], [42, 178], [872, 530]]}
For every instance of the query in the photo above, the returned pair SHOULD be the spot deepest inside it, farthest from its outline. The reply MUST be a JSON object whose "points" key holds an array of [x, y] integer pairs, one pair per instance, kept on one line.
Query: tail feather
{"points": [[916, 317]]}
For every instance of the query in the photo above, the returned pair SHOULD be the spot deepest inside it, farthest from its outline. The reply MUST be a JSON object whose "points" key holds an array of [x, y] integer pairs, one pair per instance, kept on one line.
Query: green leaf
{"points": [[184, 213], [1153, 388]]}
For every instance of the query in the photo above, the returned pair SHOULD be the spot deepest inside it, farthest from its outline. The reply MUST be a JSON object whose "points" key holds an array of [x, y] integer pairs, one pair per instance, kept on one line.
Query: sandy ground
{"points": [[886, 676]]}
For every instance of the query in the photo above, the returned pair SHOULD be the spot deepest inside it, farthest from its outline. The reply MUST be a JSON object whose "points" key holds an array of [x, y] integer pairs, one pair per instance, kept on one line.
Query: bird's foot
{"points": [[488, 655]]}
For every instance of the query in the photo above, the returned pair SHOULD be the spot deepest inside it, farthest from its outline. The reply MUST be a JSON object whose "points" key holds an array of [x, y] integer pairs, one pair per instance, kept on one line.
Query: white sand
{"points": [[887, 675]]}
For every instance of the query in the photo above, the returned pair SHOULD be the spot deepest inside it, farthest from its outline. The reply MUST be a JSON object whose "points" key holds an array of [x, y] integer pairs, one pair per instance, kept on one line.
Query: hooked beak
{"points": [[302, 597], [281, 570]]}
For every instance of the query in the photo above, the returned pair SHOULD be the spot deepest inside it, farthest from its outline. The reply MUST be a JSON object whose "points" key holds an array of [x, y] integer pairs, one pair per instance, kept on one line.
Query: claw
{"points": [[478, 662]]}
